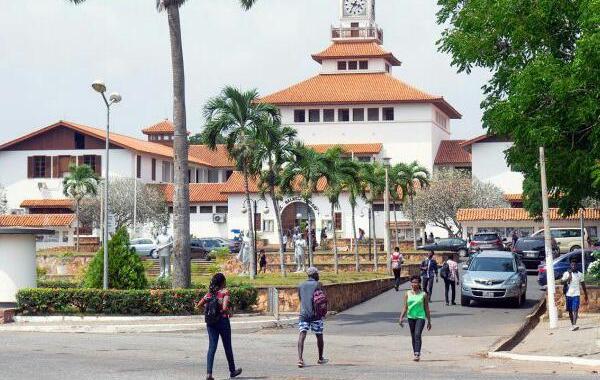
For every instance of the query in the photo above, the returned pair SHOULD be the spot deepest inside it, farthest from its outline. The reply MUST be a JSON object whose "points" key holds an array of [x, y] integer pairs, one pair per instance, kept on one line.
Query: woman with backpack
{"points": [[396, 266], [416, 309], [449, 273], [216, 314]]}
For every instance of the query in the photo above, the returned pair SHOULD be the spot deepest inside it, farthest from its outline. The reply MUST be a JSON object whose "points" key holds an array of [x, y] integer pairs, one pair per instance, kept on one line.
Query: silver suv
{"points": [[494, 275]]}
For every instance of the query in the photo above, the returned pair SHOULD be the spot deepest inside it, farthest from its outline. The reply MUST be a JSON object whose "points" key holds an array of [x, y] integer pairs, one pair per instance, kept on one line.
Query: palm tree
{"points": [[339, 171], [275, 148], [397, 194], [352, 185], [79, 183], [410, 176], [304, 171], [372, 187], [240, 119]]}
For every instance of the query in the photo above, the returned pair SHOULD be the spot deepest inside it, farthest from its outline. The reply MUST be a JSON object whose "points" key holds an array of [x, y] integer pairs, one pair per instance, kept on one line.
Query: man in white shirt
{"points": [[574, 279]]}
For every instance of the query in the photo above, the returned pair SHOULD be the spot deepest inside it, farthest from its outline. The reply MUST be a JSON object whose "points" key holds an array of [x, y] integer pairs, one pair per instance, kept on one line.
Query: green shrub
{"points": [[161, 283], [213, 268], [57, 284], [124, 302], [125, 268], [41, 272]]}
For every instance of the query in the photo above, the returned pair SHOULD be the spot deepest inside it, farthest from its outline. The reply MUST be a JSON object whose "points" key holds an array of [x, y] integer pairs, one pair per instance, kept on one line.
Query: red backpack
{"points": [[319, 304]]}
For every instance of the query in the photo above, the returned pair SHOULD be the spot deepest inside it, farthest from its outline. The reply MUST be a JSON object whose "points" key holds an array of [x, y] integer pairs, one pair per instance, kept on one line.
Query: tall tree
{"points": [[240, 118], [544, 88], [372, 187], [339, 172], [397, 194], [81, 181], [274, 149], [304, 173], [412, 176], [352, 186]]}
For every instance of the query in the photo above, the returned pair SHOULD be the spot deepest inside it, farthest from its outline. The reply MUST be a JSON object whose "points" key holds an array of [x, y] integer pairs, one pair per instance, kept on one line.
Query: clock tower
{"points": [[357, 22]]}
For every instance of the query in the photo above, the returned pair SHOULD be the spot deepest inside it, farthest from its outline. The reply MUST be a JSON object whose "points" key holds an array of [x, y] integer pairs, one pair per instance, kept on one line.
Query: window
{"points": [[337, 221], [328, 116], [193, 209], [388, 113], [343, 114], [189, 175], [65, 236], [314, 116], [213, 176], [352, 65], [166, 171], [41, 167], [364, 158], [93, 162], [363, 65], [154, 169], [441, 119], [378, 207], [387, 67], [170, 210], [373, 114], [257, 222], [228, 174], [342, 65], [358, 114], [197, 175], [299, 116], [269, 225], [206, 209], [79, 141], [138, 167], [221, 209]]}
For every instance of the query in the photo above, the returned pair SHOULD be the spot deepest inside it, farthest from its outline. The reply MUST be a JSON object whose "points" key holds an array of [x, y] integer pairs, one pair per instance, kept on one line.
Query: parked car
{"points": [[483, 241], [494, 275], [144, 247], [232, 245], [532, 250], [198, 249], [563, 263], [447, 245], [568, 239]]}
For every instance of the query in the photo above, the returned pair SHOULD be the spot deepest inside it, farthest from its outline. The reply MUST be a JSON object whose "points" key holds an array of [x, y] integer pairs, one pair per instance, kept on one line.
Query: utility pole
{"points": [[551, 283], [581, 211], [386, 207]]}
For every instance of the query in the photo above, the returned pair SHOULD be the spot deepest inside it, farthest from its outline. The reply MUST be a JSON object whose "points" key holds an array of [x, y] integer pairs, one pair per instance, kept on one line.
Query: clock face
{"points": [[355, 7]]}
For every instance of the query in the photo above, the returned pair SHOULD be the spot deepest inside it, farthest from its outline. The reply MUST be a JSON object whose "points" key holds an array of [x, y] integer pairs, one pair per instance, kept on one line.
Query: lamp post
{"points": [[362, 214], [253, 208], [113, 98], [386, 208]]}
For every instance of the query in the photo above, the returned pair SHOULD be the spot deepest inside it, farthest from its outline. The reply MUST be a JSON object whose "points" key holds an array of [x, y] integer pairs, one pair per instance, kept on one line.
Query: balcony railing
{"points": [[357, 33]]}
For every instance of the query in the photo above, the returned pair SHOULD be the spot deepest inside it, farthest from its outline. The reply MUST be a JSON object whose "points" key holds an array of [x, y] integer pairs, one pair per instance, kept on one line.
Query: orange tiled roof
{"points": [[513, 197], [117, 139], [451, 152], [37, 220], [47, 203], [364, 88], [516, 214], [374, 148], [163, 126], [218, 158], [199, 192], [355, 50], [235, 184]]}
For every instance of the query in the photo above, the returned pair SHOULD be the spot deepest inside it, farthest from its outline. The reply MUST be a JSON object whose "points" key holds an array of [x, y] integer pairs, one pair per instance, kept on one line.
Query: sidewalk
{"points": [[142, 324], [560, 345]]}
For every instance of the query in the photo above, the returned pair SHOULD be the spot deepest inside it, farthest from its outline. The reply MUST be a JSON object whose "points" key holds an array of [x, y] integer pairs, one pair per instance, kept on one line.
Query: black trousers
{"points": [[450, 285], [222, 329], [416, 330], [396, 277], [428, 285]]}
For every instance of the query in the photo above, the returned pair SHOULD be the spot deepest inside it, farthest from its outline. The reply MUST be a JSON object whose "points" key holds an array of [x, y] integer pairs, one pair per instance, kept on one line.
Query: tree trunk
{"points": [[414, 220], [77, 227], [335, 249], [309, 236], [181, 198], [375, 257], [251, 227], [356, 256], [279, 230], [396, 223]]}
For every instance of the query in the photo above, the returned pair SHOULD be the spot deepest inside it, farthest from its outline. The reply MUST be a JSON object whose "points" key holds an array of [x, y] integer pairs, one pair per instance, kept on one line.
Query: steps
{"points": [[199, 267]]}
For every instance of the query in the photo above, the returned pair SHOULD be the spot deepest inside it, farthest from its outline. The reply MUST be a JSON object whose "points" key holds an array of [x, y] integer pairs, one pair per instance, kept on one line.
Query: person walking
{"points": [[449, 273], [429, 271], [308, 319], [416, 310], [514, 238], [397, 260], [262, 261], [575, 282], [216, 310], [285, 241]]}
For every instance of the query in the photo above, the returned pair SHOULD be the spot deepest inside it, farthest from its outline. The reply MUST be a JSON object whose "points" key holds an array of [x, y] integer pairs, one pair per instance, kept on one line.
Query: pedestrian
{"points": [[429, 270], [397, 260], [216, 310], [284, 241], [323, 237], [431, 237], [361, 234], [449, 273], [416, 310], [262, 261], [308, 319], [515, 238], [575, 281]]}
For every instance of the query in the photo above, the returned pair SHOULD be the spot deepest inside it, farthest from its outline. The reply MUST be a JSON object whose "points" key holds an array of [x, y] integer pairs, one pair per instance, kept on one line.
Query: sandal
{"points": [[300, 363]]}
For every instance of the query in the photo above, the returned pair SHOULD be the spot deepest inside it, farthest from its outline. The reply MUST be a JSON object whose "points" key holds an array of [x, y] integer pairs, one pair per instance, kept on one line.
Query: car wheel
{"points": [[464, 301], [574, 248], [154, 254], [462, 253]]}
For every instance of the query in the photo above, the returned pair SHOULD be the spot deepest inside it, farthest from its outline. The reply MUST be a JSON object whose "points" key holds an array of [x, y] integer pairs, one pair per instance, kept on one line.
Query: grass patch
{"points": [[293, 279]]}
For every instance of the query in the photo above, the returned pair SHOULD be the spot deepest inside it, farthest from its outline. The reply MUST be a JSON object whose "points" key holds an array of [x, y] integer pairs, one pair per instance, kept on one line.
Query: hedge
{"points": [[124, 302], [57, 284]]}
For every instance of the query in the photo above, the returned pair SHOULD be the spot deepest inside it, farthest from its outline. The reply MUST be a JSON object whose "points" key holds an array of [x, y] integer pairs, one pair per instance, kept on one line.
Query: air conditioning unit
{"points": [[219, 218]]}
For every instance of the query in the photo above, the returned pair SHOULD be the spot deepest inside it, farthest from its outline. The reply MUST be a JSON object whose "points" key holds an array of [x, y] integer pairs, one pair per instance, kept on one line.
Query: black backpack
{"points": [[212, 311], [445, 271]]}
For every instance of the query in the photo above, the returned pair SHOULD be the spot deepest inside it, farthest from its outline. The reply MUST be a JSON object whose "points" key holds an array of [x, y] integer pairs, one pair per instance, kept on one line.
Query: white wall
{"points": [[489, 165], [17, 265], [202, 225]]}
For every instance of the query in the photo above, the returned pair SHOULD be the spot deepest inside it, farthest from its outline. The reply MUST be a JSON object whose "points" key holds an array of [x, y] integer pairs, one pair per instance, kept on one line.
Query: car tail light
{"points": [[498, 241], [473, 244], [542, 270]]}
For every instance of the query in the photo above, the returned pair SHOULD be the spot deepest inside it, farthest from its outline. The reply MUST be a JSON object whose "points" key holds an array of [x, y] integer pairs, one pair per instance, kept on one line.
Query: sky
{"points": [[51, 51]]}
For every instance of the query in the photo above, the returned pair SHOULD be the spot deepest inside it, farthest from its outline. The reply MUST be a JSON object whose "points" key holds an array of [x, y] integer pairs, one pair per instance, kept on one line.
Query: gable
{"points": [[60, 137]]}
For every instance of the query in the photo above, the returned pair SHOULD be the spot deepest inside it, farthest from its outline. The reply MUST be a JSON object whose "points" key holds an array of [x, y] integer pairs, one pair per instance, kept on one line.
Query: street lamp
{"points": [[253, 207], [362, 215], [386, 208], [113, 98]]}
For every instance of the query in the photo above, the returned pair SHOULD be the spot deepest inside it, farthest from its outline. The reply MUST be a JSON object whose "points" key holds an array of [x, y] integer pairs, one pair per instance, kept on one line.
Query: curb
{"points": [[117, 318], [538, 358], [530, 322]]}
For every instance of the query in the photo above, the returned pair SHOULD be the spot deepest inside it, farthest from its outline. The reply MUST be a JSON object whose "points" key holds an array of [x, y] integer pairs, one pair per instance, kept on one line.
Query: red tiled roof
{"points": [[355, 50], [451, 152], [218, 158], [374, 148], [199, 192], [235, 184], [47, 203], [363, 88], [513, 197], [37, 220], [163, 126], [516, 214]]}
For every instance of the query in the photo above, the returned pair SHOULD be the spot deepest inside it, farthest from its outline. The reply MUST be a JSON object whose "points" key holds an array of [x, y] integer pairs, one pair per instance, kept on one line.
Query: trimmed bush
{"points": [[57, 284], [124, 302], [125, 268]]}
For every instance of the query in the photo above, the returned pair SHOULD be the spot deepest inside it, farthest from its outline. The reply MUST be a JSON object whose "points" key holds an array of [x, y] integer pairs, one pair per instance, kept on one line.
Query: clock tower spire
{"points": [[357, 22]]}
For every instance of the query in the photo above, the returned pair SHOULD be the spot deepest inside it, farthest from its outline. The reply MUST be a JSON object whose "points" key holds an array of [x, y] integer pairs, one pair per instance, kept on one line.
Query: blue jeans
{"points": [[223, 329], [416, 330]]}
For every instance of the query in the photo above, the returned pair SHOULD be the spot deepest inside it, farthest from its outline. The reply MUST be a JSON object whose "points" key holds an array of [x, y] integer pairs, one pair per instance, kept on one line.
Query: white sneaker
{"points": [[574, 328]]}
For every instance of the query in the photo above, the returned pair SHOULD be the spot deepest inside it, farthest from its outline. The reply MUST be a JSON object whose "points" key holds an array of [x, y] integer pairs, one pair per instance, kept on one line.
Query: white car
{"points": [[145, 247], [568, 239]]}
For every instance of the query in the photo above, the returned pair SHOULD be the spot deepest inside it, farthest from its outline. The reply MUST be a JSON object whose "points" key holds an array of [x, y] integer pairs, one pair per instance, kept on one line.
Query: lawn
{"points": [[293, 279]]}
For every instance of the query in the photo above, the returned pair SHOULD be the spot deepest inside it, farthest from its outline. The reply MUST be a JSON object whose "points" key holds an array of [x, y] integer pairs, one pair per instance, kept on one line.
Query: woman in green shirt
{"points": [[416, 309]]}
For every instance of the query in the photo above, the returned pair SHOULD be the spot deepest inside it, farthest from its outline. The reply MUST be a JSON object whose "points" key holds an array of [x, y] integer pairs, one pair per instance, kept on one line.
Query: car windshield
{"points": [[525, 244], [445, 241], [485, 237], [492, 264]]}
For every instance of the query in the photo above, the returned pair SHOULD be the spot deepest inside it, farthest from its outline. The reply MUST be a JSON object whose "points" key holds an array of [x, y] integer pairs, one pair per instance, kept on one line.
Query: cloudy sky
{"points": [[52, 50]]}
